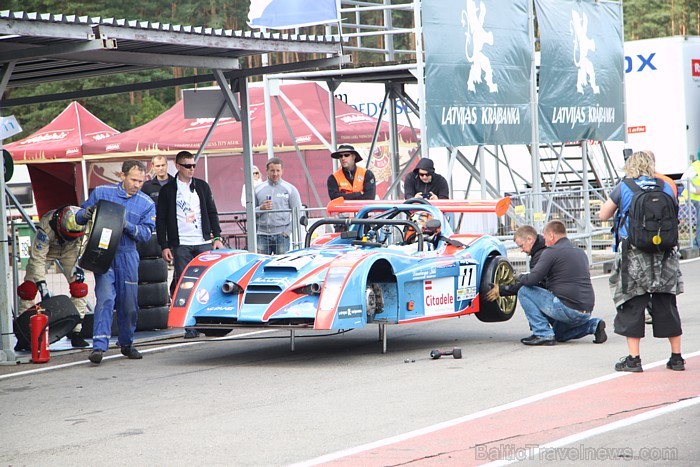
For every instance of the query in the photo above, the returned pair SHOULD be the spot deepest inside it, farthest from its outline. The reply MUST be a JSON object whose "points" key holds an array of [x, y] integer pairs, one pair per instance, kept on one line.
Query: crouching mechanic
{"points": [[119, 285], [563, 310], [57, 239]]}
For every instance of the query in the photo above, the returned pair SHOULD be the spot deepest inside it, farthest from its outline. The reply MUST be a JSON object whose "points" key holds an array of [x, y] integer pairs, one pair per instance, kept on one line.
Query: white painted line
{"points": [[533, 454], [154, 349], [482, 413]]}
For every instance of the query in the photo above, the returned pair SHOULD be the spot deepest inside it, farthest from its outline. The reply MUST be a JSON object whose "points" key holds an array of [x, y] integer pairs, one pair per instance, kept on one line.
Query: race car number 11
{"points": [[466, 282]]}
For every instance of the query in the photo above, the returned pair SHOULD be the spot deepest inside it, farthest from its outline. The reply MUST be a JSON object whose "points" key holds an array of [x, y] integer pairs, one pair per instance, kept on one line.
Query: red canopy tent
{"points": [[170, 133], [52, 152]]}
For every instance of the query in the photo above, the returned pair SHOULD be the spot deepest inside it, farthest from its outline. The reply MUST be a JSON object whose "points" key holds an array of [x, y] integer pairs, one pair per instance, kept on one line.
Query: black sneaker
{"points": [[191, 333], [600, 335], [131, 353], [676, 364], [96, 356], [77, 341], [628, 363]]}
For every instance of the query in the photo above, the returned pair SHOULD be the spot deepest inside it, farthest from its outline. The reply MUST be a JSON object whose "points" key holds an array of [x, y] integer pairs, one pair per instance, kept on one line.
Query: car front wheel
{"points": [[498, 271]]}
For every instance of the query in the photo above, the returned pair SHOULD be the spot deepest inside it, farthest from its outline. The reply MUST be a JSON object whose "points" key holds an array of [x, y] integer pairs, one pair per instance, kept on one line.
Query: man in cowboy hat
{"points": [[350, 181]]}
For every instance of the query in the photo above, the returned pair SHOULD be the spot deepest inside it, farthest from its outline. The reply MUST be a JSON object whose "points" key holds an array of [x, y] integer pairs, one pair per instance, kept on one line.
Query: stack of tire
{"points": [[154, 297]]}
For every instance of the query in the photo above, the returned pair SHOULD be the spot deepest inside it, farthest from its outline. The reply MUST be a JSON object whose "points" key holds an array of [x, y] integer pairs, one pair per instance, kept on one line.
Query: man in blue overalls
{"points": [[119, 285]]}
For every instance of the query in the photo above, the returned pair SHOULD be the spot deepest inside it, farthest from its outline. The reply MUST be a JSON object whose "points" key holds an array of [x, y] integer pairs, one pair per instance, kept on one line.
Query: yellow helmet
{"points": [[66, 224]]}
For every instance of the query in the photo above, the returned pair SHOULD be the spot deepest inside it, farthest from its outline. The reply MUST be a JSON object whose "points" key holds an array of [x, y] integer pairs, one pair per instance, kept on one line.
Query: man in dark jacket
{"points": [[532, 244], [423, 182], [159, 166], [563, 310], [187, 222]]}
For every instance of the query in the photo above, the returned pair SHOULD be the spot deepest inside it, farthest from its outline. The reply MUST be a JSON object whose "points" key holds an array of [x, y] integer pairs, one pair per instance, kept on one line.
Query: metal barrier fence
{"points": [[577, 208]]}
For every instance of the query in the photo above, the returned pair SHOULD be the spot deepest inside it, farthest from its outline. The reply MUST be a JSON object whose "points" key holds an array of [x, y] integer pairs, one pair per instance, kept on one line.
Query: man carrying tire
{"points": [[119, 284], [562, 311], [57, 239]]}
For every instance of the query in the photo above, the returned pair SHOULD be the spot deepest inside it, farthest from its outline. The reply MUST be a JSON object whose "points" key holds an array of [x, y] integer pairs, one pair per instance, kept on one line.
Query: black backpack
{"points": [[653, 218]]}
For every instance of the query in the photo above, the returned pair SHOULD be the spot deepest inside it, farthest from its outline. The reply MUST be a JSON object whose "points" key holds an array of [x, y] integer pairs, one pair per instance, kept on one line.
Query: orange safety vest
{"points": [[357, 184]]}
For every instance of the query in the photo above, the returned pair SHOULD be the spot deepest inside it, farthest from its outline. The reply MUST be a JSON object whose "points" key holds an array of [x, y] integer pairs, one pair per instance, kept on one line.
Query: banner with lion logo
{"points": [[581, 94], [477, 69]]}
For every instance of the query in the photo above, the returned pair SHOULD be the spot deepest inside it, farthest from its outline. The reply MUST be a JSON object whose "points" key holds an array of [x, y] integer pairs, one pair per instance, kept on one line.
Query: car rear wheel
{"points": [[499, 271]]}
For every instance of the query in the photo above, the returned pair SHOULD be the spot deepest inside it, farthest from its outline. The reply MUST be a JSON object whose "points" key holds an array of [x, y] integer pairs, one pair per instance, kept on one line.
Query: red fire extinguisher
{"points": [[39, 330]]}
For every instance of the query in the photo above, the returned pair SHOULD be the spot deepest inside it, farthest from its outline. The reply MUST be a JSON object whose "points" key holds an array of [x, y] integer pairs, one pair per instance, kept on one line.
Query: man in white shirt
{"points": [[187, 221]]}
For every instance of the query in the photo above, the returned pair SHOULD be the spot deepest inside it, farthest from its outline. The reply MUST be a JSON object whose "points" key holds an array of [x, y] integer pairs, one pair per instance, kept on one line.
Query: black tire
{"points": [[108, 225], [153, 270], [63, 316], [150, 249], [153, 318], [89, 322], [151, 295], [497, 270]]}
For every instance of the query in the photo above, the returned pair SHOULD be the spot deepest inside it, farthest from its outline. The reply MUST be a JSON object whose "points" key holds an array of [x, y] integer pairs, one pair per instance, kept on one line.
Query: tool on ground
{"points": [[456, 352]]}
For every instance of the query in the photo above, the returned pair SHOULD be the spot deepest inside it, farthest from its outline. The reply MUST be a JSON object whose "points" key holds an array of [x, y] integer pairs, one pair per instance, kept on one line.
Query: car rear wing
{"points": [[497, 206]]}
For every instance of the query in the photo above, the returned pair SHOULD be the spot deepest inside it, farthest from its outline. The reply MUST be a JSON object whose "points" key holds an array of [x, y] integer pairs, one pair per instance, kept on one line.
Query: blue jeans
{"points": [[273, 244], [182, 255], [549, 317]]}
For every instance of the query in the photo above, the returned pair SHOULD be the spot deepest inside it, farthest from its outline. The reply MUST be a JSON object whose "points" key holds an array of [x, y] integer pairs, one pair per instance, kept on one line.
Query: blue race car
{"points": [[392, 263]]}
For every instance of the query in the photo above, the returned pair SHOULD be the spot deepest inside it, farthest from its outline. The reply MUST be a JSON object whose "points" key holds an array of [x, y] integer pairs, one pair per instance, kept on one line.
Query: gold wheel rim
{"points": [[504, 276]]}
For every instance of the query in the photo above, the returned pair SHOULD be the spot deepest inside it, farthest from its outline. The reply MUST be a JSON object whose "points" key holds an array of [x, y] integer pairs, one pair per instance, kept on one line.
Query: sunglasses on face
{"points": [[425, 174], [256, 173], [347, 154], [188, 166]]}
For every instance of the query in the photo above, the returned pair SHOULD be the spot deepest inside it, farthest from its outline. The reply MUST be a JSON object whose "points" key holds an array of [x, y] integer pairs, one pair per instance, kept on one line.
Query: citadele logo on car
{"points": [[209, 257], [439, 298], [202, 296]]}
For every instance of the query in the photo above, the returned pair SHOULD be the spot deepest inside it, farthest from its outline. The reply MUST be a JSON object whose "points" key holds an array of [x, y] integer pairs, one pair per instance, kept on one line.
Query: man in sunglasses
{"points": [[424, 183], [187, 221], [350, 181]]}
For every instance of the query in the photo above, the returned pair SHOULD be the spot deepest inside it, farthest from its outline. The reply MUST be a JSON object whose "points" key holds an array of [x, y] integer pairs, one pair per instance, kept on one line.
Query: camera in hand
{"points": [[426, 195]]}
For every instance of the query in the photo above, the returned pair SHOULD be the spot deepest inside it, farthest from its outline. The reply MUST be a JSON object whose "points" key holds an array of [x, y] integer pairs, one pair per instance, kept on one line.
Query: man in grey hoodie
{"points": [[423, 182]]}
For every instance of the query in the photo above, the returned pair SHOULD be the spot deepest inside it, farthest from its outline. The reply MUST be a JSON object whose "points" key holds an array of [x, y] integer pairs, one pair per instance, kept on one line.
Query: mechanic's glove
{"points": [[43, 290], [27, 290], [493, 293], [78, 274], [89, 212], [78, 289]]}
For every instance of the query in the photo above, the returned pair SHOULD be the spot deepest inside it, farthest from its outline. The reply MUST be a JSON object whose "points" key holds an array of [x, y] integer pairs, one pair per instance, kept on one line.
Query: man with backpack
{"points": [[646, 266]]}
